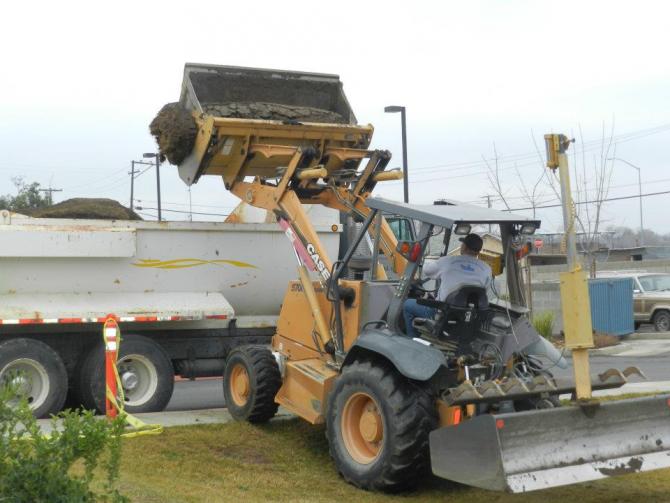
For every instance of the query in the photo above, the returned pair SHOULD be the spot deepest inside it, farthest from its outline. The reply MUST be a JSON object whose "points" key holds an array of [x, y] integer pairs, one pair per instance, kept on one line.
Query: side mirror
{"points": [[635, 290]]}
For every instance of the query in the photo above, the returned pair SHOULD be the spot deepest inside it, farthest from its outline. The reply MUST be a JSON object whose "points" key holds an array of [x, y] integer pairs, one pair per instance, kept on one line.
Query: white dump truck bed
{"points": [[78, 271]]}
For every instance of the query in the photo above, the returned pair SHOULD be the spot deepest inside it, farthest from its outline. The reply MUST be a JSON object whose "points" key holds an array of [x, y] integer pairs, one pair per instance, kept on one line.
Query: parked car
{"points": [[651, 297]]}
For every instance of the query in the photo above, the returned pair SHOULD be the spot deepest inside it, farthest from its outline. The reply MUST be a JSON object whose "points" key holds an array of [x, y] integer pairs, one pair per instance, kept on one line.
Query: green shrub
{"points": [[58, 467], [544, 324]]}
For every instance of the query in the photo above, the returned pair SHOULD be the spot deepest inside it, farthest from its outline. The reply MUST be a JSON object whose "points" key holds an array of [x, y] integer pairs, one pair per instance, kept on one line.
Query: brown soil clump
{"points": [[174, 130], [90, 208]]}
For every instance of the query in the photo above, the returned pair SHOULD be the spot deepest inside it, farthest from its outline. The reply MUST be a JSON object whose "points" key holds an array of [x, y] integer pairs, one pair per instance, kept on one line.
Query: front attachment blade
{"points": [[527, 451]]}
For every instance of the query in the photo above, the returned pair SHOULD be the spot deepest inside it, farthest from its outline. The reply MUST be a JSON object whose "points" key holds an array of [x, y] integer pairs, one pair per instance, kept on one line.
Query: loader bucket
{"points": [[257, 93], [527, 451]]}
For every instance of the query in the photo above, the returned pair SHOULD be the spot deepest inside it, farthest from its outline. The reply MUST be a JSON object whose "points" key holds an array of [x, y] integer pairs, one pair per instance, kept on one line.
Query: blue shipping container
{"points": [[612, 305]]}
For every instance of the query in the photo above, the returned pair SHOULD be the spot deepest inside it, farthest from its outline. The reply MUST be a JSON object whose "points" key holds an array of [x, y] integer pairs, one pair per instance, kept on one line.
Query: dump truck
{"points": [[185, 293], [472, 396]]}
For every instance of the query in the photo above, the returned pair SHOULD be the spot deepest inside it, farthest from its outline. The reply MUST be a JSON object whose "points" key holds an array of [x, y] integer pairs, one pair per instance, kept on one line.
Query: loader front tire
{"points": [[377, 426], [251, 380]]}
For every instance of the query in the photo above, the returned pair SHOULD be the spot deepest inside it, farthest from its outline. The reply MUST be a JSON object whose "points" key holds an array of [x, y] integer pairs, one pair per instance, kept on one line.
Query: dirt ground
{"points": [[93, 208]]}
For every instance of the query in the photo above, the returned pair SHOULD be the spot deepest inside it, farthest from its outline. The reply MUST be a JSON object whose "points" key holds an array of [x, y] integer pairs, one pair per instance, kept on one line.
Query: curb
{"points": [[637, 336]]}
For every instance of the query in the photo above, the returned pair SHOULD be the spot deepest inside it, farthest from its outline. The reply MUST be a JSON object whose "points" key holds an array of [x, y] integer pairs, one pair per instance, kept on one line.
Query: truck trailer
{"points": [[185, 293]]}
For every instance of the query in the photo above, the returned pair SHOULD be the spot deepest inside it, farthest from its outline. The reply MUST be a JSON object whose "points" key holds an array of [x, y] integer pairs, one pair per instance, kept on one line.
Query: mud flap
{"points": [[527, 451]]}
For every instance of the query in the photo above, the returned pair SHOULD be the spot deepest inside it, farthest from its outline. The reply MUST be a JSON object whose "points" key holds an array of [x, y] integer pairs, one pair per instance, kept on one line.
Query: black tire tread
{"points": [[92, 368], [53, 363], [414, 415], [265, 381], [658, 313]]}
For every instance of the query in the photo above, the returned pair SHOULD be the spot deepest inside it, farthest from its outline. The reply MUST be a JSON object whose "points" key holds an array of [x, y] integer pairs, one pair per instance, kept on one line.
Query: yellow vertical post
{"points": [[575, 304]]}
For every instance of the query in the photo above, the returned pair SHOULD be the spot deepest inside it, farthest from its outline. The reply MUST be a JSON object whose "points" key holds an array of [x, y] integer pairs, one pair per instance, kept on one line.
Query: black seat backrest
{"points": [[467, 296]]}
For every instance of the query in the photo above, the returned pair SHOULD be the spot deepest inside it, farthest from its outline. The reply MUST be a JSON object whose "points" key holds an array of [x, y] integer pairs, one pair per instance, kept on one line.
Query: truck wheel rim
{"points": [[139, 379], [663, 323], [31, 380], [362, 428], [239, 385]]}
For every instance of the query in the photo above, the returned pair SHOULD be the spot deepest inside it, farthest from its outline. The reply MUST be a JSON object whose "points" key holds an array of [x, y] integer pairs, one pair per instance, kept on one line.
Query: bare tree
{"points": [[591, 181], [493, 175]]}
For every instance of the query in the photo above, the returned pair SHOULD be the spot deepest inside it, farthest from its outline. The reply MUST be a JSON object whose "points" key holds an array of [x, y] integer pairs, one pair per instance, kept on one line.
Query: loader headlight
{"points": [[462, 229], [528, 229]]}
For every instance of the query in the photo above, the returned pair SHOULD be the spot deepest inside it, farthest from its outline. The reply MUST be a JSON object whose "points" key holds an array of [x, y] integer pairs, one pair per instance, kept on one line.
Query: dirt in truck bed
{"points": [[175, 130], [92, 208]]}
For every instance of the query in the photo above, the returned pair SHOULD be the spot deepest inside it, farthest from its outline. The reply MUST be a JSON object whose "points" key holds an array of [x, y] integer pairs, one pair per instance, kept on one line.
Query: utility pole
{"points": [[158, 184], [157, 157], [132, 184], [50, 192]]}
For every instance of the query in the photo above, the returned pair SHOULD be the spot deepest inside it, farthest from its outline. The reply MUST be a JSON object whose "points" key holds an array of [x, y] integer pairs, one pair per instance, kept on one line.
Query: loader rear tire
{"points": [[377, 426], [251, 380]]}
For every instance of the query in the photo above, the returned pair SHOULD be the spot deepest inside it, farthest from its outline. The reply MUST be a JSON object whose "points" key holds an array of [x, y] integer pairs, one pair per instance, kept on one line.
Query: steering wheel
{"points": [[417, 290]]}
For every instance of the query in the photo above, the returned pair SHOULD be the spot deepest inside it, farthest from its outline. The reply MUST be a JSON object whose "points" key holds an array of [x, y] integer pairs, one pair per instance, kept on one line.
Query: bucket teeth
{"points": [[514, 386], [464, 391], [629, 371], [541, 383], [490, 389], [610, 373]]}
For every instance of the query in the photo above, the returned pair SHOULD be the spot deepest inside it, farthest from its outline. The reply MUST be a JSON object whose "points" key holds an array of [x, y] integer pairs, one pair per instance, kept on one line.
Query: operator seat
{"points": [[459, 316]]}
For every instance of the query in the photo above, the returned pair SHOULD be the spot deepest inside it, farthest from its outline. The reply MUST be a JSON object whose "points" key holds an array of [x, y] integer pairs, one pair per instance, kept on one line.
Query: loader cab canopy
{"points": [[448, 213]]}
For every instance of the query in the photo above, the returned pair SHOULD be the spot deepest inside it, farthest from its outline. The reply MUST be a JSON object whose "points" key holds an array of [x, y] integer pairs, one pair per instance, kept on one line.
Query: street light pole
{"points": [[393, 109], [639, 184]]}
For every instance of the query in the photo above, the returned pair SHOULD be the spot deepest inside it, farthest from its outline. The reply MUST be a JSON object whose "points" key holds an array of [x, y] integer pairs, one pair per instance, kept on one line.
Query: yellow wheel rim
{"points": [[239, 385], [362, 428]]}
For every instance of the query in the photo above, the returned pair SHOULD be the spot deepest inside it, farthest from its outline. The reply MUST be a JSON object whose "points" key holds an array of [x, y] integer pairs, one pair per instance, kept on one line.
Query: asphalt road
{"points": [[208, 393]]}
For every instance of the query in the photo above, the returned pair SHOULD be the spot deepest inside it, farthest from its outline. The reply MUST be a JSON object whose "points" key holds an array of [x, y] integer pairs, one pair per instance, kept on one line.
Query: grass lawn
{"points": [[287, 460]]}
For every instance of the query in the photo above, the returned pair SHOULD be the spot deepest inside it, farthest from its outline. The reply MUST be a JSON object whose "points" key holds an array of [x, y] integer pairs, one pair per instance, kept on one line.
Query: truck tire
{"points": [[251, 380], [661, 321], [38, 372], [146, 373], [377, 426]]}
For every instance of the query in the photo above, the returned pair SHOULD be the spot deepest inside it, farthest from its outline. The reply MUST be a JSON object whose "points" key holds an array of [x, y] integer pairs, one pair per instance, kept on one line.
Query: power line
{"points": [[620, 198], [184, 212], [587, 146]]}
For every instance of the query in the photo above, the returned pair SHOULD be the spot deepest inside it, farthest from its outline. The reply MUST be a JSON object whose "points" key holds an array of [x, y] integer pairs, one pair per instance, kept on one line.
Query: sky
{"points": [[80, 82]]}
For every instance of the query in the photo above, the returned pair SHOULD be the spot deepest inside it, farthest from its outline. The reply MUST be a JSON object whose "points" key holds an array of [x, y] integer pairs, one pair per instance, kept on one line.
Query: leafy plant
{"points": [[28, 197], [544, 324], [60, 466]]}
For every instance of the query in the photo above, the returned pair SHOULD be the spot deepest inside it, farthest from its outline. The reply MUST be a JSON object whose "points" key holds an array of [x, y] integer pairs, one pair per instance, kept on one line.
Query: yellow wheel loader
{"points": [[472, 396]]}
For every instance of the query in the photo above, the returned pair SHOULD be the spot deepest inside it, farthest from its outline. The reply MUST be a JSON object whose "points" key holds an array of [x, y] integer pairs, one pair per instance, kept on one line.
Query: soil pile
{"points": [[272, 111], [175, 130], [81, 207]]}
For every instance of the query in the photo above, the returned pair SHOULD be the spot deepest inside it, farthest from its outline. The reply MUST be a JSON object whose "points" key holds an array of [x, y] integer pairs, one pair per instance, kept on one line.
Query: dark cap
{"points": [[473, 242]]}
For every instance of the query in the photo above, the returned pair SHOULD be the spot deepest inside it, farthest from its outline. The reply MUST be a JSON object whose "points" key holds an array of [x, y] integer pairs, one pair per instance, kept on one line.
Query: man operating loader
{"points": [[453, 272]]}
